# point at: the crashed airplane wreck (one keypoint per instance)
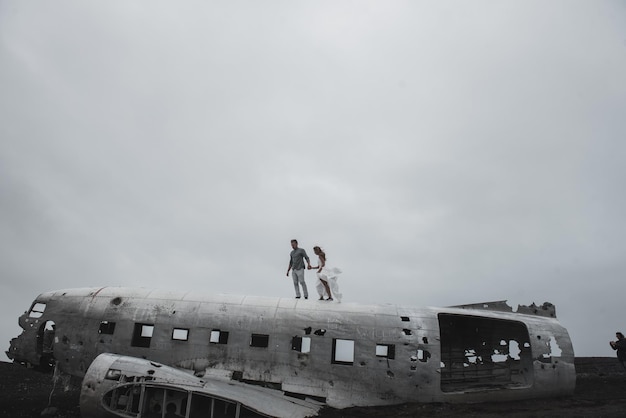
(153, 353)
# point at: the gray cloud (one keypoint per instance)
(442, 154)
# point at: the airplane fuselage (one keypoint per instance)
(344, 354)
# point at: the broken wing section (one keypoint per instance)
(119, 386)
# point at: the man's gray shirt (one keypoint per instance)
(296, 261)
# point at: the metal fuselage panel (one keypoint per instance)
(348, 354)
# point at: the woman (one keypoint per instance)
(327, 276)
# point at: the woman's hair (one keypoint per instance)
(321, 252)
(620, 334)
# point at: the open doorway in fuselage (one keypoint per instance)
(45, 345)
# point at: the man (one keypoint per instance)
(296, 265)
(620, 346)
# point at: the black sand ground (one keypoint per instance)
(600, 392)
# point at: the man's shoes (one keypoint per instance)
(297, 297)
(321, 297)
(306, 297)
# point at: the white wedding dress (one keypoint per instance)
(329, 275)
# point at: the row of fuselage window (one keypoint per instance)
(343, 349)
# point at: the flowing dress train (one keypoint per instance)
(329, 274)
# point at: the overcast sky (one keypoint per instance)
(441, 153)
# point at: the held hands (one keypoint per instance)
(319, 268)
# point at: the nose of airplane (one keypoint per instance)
(28, 348)
(16, 351)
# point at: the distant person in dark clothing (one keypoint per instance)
(296, 266)
(620, 346)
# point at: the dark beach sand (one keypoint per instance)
(600, 392)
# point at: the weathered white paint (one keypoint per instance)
(358, 376)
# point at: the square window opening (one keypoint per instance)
(180, 334)
(259, 340)
(142, 335)
(343, 352)
(386, 351)
(301, 344)
(218, 337)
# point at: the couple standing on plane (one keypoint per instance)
(327, 276)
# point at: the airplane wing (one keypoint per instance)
(124, 386)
